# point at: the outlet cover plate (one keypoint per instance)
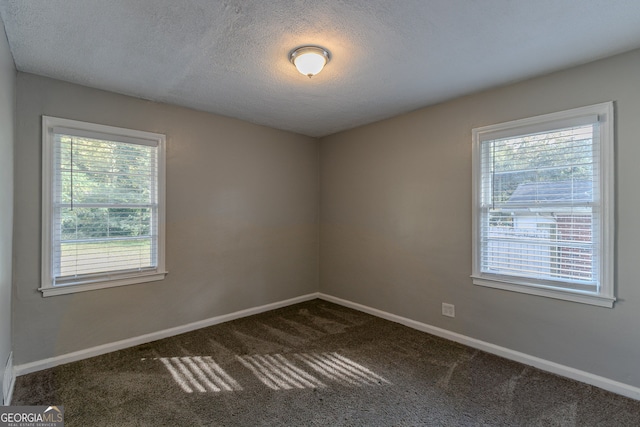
(448, 310)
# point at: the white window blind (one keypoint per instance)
(539, 211)
(105, 205)
(539, 192)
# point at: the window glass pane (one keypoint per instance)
(105, 172)
(99, 256)
(538, 220)
(547, 245)
(106, 202)
(548, 167)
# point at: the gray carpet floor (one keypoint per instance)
(315, 364)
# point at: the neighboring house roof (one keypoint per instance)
(551, 192)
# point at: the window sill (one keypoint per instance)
(101, 283)
(548, 292)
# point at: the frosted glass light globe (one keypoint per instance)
(309, 60)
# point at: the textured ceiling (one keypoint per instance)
(388, 56)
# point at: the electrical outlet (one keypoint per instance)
(448, 310)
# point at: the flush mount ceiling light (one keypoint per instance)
(309, 60)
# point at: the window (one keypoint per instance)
(102, 206)
(543, 205)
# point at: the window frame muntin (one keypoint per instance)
(605, 296)
(109, 279)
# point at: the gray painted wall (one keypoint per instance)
(242, 222)
(7, 105)
(396, 222)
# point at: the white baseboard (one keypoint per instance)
(545, 365)
(8, 381)
(12, 384)
(39, 365)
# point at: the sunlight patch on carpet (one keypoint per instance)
(199, 373)
(278, 373)
(341, 369)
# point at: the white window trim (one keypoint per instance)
(106, 280)
(605, 296)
